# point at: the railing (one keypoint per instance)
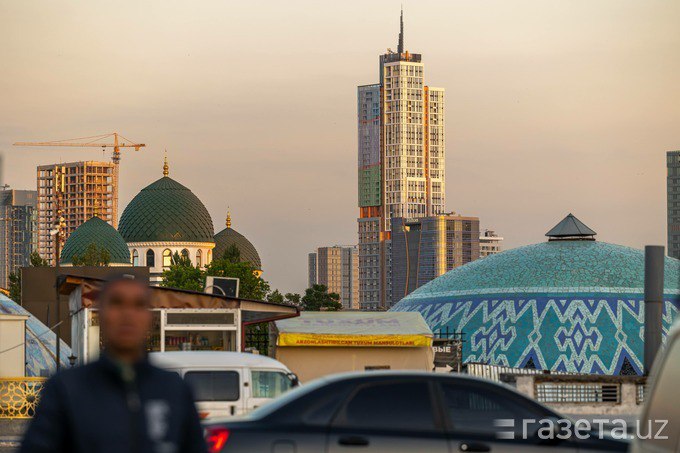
(578, 392)
(19, 396)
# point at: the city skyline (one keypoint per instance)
(546, 116)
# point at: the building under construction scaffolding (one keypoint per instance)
(18, 236)
(85, 188)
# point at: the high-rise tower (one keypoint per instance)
(401, 163)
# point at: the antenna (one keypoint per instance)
(400, 46)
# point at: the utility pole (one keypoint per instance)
(58, 222)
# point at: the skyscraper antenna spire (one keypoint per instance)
(400, 46)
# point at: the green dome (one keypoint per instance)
(551, 267)
(228, 237)
(98, 232)
(166, 211)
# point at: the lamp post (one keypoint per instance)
(58, 223)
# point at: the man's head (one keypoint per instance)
(124, 316)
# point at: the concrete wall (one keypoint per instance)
(12, 343)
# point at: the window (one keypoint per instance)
(167, 258)
(269, 384)
(199, 258)
(209, 257)
(135, 257)
(185, 254)
(214, 385)
(150, 258)
(399, 406)
(474, 409)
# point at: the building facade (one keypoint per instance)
(427, 247)
(337, 268)
(86, 188)
(18, 235)
(673, 202)
(401, 147)
(489, 243)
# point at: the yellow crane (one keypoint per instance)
(113, 140)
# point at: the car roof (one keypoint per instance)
(212, 359)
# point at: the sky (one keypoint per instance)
(552, 107)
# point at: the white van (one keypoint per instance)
(228, 383)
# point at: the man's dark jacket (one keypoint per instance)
(92, 408)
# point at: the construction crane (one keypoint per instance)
(113, 140)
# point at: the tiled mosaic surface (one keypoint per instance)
(568, 306)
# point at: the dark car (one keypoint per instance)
(400, 412)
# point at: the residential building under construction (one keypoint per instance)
(78, 190)
(17, 230)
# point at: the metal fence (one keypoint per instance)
(640, 393)
(19, 396)
(494, 372)
(578, 392)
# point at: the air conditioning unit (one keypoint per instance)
(222, 286)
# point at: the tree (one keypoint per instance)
(232, 254)
(317, 298)
(290, 298)
(15, 287)
(36, 260)
(250, 285)
(93, 256)
(183, 275)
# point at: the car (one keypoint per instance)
(658, 429)
(228, 383)
(399, 411)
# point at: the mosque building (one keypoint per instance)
(164, 218)
(569, 304)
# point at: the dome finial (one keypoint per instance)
(166, 169)
(96, 209)
(228, 218)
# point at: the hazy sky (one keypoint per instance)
(552, 107)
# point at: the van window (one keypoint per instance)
(214, 385)
(270, 384)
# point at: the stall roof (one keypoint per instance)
(354, 329)
(252, 311)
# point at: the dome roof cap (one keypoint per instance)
(571, 228)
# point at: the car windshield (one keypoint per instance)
(270, 384)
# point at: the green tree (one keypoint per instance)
(93, 256)
(15, 287)
(317, 298)
(275, 296)
(289, 298)
(250, 285)
(183, 275)
(232, 254)
(36, 260)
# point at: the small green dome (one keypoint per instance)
(166, 211)
(96, 231)
(228, 237)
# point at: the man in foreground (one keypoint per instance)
(119, 403)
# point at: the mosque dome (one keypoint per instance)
(568, 304)
(96, 231)
(166, 211)
(228, 237)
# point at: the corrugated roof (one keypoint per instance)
(356, 323)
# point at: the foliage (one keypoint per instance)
(183, 275)
(317, 298)
(250, 286)
(15, 287)
(232, 254)
(36, 260)
(289, 298)
(93, 256)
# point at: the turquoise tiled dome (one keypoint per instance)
(96, 231)
(571, 304)
(555, 266)
(166, 211)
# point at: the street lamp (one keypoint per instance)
(72, 360)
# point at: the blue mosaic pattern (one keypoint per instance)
(40, 342)
(572, 306)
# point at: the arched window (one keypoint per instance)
(135, 257)
(167, 258)
(185, 254)
(150, 258)
(208, 258)
(199, 258)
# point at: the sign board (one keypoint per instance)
(445, 351)
(223, 286)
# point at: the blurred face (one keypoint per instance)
(125, 318)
